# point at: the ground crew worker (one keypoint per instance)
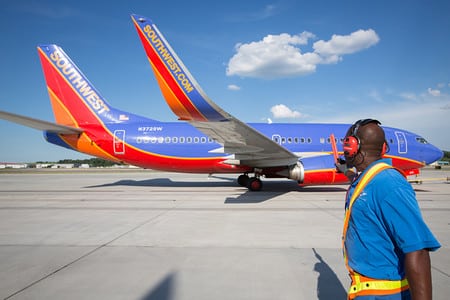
(386, 242)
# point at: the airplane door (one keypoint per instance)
(119, 138)
(402, 144)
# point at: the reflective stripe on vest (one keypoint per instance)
(362, 285)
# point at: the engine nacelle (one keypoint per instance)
(297, 172)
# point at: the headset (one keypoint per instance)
(352, 143)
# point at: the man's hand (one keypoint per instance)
(341, 166)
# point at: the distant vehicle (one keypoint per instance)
(210, 140)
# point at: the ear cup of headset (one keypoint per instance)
(351, 146)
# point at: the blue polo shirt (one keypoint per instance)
(385, 224)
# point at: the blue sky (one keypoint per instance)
(287, 61)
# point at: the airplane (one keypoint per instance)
(208, 140)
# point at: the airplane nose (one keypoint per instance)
(433, 154)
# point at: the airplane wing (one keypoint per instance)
(39, 124)
(189, 102)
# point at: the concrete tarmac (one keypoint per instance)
(150, 235)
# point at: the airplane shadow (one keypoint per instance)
(271, 189)
(329, 287)
(164, 290)
(164, 182)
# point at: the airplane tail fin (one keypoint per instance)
(78, 105)
(75, 101)
(182, 93)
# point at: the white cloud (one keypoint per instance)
(277, 56)
(346, 44)
(274, 56)
(282, 111)
(435, 93)
(233, 87)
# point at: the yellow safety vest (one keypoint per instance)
(361, 285)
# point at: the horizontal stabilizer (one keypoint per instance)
(39, 124)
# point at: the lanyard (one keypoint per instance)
(365, 179)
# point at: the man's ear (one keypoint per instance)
(358, 158)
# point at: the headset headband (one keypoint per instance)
(362, 122)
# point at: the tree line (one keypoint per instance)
(446, 156)
(92, 162)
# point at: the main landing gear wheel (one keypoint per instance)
(243, 180)
(254, 184)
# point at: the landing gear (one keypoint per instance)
(252, 183)
(243, 180)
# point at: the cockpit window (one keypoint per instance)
(421, 140)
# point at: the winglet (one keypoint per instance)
(182, 93)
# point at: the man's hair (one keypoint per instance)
(372, 138)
